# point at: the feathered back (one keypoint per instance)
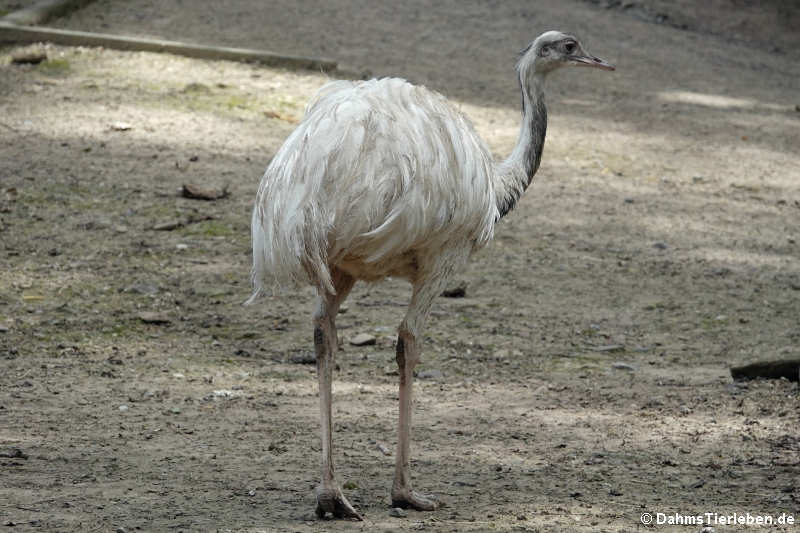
(375, 169)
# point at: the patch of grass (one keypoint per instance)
(58, 66)
(238, 102)
(210, 228)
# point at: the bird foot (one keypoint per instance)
(411, 499)
(331, 500)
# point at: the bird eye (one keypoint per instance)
(569, 47)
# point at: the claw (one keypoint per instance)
(331, 500)
(415, 500)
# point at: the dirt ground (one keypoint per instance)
(582, 381)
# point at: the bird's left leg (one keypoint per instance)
(408, 345)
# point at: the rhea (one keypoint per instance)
(385, 178)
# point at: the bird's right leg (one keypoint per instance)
(329, 496)
(408, 338)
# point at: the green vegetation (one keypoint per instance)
(58, 66)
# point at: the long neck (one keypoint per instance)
(516, 173)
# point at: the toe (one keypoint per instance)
(415, 500)
(330, 500)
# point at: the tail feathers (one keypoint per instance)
(286, 254)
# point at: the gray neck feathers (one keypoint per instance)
(516, 173)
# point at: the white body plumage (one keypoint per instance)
(378, 176)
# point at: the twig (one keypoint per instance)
(175, 224)
(28, 509)
(9, 127)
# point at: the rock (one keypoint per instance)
(123, 408)
(659, 246)
(304, 358)
(397, 512)
(363, 339)
(149, 317)
(29, 57)
(619, 365)
(142, 288)
(121, 126)
(500, 354)
(430, 374)
(196, 192)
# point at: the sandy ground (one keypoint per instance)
(581, 382)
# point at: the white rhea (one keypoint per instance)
(384, 178)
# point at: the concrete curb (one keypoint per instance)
(44, 11)
(10, 32)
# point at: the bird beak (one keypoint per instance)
(591, 61)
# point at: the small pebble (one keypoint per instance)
(149, 317)
(123, 408)
(303, 358)
(398, 512)
(363, 339)
(430, 374)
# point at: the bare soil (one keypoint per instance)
(582, 381)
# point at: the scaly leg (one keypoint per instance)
(329, 496)
(407, 358)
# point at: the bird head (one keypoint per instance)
(552, 50)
